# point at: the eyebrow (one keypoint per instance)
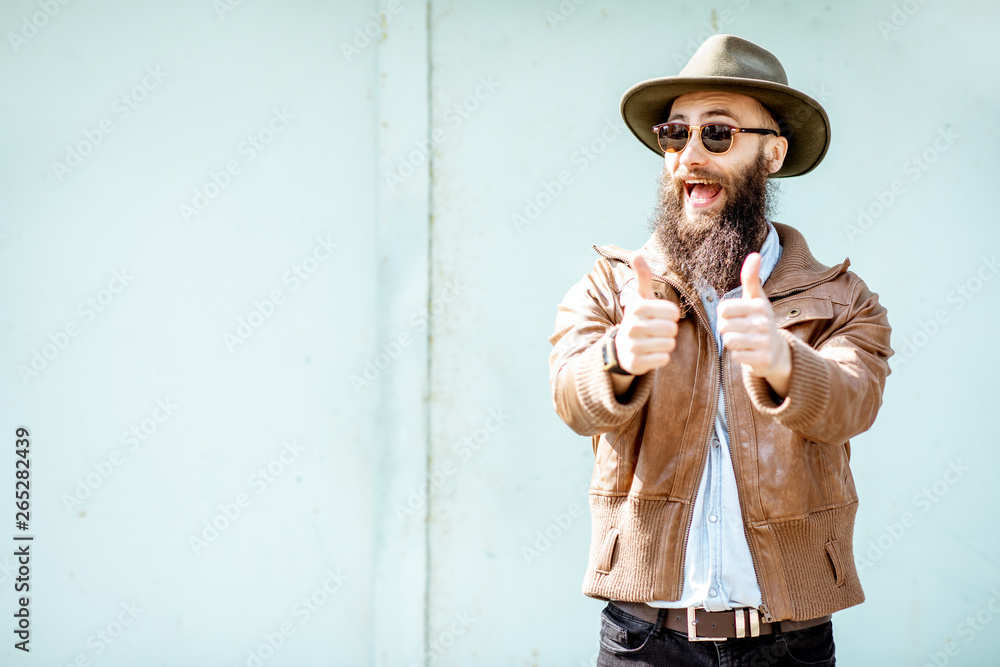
(711, 112)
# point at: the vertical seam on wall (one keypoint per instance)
(378, 505)
(429, 339)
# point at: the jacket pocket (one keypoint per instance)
(793, 310)
(838, 567)
(606, 555)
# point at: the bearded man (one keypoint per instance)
(721, 372)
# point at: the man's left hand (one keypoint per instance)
(749, 333)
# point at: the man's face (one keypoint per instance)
(699, 175)
(713, 208)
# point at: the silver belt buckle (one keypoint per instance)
(693, 629)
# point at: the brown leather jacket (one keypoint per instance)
(791, 457)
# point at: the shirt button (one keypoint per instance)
(712, 592)
(715, 443)
(713, 518)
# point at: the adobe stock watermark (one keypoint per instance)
(104, 637)
(259, 481)
(915, 167)
(584, 156)
(559, 525)
(960, 296)
(264, 309)
(719, 21)
(223, 7)
(454, 117)
(581, 159)
(33, 24)
(133, 438)
(923, 501)
(562, 12)
(364, 34)
(462, 449)
(7, 569)
(121, 108)
(445, 639)
(971, 626)
(899, 16)
(88, 310)
(248, 150)
(419, 320)
(302, 611)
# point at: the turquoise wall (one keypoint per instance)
(278, 280)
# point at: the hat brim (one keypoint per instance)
(802, 119)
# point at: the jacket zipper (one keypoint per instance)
(720, 358)
(715, 408)
(768, 618)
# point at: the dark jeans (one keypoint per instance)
(627, 640)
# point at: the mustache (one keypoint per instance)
(701, 173)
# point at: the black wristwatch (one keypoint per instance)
(611, 355)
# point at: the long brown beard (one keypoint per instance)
(712, 249)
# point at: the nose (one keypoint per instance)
(694, 153)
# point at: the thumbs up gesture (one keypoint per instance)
(648, 331)
(749, 332)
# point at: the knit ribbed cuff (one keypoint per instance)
(808, 388)
(597, 393)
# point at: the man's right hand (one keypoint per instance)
(648, 330)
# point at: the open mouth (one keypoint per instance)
(701, 192)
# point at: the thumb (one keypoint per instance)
(643, 276)
(750, 277)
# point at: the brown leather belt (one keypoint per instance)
(701, 625)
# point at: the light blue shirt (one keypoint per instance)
(718, 568)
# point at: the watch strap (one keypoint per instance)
(610, 353)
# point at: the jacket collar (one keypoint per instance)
(797, 269)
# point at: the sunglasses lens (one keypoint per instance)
(673, 137)
(716, 138)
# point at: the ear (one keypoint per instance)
(776, 149)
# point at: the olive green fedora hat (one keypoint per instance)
(730, 64)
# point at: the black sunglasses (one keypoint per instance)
(717, 138)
